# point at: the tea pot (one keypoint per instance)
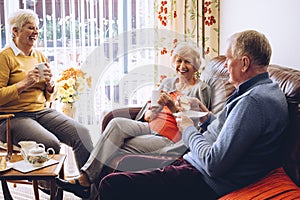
(35, 154)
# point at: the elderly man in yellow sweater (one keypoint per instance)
(24, 93)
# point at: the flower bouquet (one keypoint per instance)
(70, 84)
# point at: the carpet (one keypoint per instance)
(25, 192)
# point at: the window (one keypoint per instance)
(103, 37)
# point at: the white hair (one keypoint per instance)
(189, 52)
(21, 17)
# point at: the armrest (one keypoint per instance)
(6, 116)
(128, 112)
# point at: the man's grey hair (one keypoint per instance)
(253, 44)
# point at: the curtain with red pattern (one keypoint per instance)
(187, 20)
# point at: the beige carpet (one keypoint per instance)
(25, 192)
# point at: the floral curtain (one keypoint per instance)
(187, 20)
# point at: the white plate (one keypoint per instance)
(25, 167)
(192, 113)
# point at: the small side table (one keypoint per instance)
(47, 173)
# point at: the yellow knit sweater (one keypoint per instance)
(14, 69)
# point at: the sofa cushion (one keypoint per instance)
(276, 185)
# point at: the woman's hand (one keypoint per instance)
(48, 76)
(151, 114)
(197, 105)
(166, 99)
(31, 79)
(47, 73)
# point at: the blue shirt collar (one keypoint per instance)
(247, 85)
(244, 87)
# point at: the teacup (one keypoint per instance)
(25, 147)
(154, 98)
(41, 67)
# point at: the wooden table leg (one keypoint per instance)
(36, 189)
(59, 195)
(5, 189)
(53, 190)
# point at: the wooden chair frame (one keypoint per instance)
(10, 151)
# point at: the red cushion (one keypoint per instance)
(276, 185)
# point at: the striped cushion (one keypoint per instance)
(276, 185)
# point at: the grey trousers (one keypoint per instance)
(51, 128)
(122, 136)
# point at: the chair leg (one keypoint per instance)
(35, 189)
(5, 189)
(9, 140)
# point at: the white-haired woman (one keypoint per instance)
(25, 94)
(159, 134)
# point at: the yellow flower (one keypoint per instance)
(71, 82)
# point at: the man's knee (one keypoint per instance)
(114, 181)
(56, 145)
(109, 187)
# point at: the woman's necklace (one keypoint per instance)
(183, 87)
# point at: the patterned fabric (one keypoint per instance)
(187, 21)
(276, 185)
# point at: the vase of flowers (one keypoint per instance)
(68, 109)
(69, 85)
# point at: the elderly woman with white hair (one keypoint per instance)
(159, 134)
(24, 93)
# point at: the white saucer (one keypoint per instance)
(191, 113)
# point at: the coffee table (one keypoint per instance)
(48, 173)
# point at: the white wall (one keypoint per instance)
(277, 19)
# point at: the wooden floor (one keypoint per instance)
(25, 192)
